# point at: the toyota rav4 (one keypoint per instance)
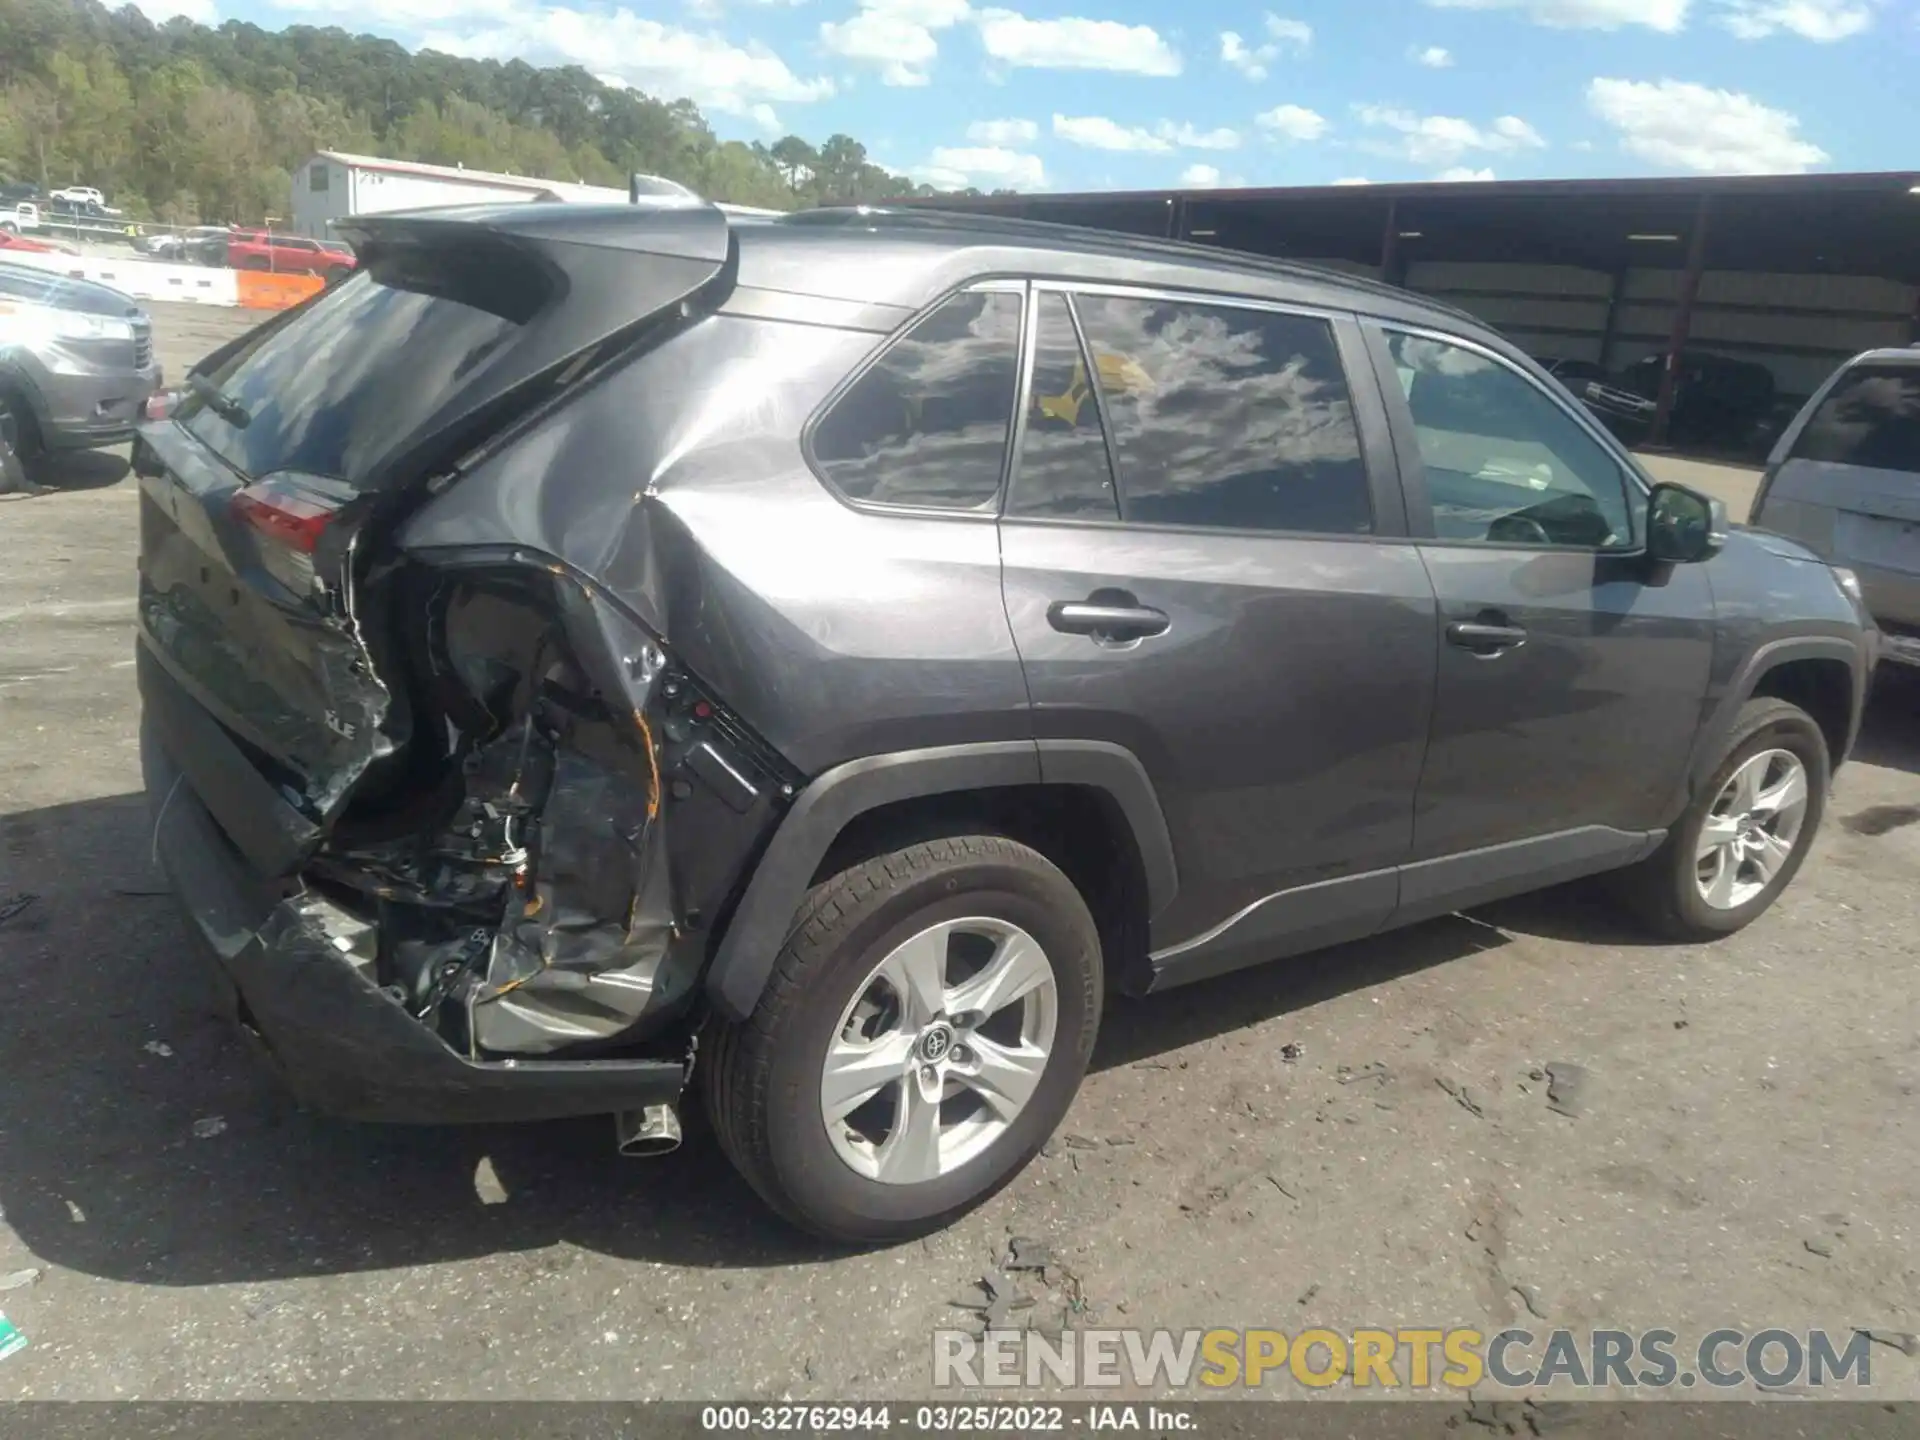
(591, 651)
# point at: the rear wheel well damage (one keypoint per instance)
(1080, 828)
(1821, 687)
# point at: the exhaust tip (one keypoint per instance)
(642, 1134)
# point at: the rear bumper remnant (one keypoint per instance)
(343, 1045)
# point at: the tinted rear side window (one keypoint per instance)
(363, 367)
(1227, 418)
(927, 424)
(1063, 452)
(1872, 417)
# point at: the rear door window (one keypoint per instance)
(1064, 467)
(927, 424)
(1871, 418)
(1227, 418)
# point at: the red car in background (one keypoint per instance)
(289, 255)
(13, 240)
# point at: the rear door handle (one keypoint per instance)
(1106, 622)
(1484, 638)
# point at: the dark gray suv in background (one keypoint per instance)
(76, 368)
(591, 650)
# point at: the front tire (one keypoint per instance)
(1745, 834)
(925, 1029)
(17, 451)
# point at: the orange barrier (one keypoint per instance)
(265, 290)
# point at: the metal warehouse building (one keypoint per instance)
(1793, 272)
(334, 185)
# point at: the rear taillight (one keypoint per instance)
(161, 404)
(287, 513)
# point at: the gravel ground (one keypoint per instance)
(1356, 1138)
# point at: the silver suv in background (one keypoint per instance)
(76, 368)
(1845, 481)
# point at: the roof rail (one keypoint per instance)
(982, 223)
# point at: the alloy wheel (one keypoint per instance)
(1752, 829)
(939, 1051)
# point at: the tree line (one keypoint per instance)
(184, 123)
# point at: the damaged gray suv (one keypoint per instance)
(596, 651)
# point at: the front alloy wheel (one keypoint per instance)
(1751, 829)
(1746, 832)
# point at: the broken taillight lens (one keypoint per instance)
(161, 404)
(286, 512)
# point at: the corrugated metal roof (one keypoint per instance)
(1664, 186)
(568, 190)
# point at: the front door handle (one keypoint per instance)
(1485, 638)
(1106, 622)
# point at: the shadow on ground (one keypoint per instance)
(113, 1055)
(1890, 733)
(79, 470)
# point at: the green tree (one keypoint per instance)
(191, 122)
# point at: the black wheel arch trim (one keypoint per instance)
(751, 942)
(17, 381)
(1710, 746)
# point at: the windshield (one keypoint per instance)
(1871, 418)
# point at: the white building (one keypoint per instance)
(334, 185)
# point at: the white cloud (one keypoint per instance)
(1353, 180)
(896, 36)
(1252, 60)
(1200, 177)
(1289, 32)
(1434, 57)
(1192, 137)
(1097, 132)
(1694, 127)
(987, 167)
(1821, 21)
(1292, 122)
(1075, 44)
(663, 60)
(1003, 132)
(1463, 172)
(161, 11)
(1444, 139)
(1667, 16)
(407, 12)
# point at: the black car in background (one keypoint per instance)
(1719, 403)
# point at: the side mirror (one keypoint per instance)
(1684, 526)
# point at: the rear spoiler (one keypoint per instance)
(573, 277)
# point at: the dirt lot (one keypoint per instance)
(1744, 1154)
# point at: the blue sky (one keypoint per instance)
(1093, 94)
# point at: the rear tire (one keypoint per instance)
(1694, 887)
(989, 909)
